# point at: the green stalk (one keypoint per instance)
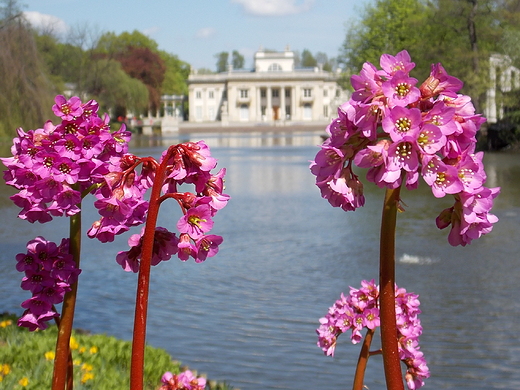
(391, 361)
(60, 377)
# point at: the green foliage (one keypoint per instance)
(111, 44)
(307, 59)
(100, 362)
(222, 61)
(176, 74)
(63, 62)
(26, 93)
(237, 60)
(461, 34)
(387, 26)
(161, 72)
(114, 88)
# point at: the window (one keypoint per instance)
(325, 93)
(288, 112)
(307, 92)
(325, 111)
(211, 113)
(211, 95)
(262, 110)
(338, 93)
(287, 92)
(263, 93)
(274, 68)
(244, 93)
(275, 93)
(198, 95)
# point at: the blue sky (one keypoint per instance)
(195, 30)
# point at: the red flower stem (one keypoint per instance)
(70, 365)
(62, 372)
(361, 366)
(143, 281)
(391, 361)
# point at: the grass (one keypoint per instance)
(100, 362)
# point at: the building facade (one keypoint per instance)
(274, 91)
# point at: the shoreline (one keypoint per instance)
(261, 127)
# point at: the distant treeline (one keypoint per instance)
(124, 73)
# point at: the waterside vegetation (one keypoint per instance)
(101, 362)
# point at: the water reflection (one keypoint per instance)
(248, 316)
(234, 139)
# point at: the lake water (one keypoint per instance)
(248, 316)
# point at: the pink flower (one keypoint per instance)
(367, 84)
(207, 246)
(360, 309)
(184, 381)
(401, 122)
(164, 246)
(442, 178)
(401, 90)
(67, 109)
(49, 273)
(196, 221)
(439, 82)
(393, 64)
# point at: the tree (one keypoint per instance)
(461, 34)
(140, 57)
(308, 60)
(111, 44)
(114, 89)
(26, 93)
(9, 10)
(176, 74)
(464, 33)
(386, 26)
(222, 61)
(146, 66)
(237, 60)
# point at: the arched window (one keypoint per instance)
(274, 68)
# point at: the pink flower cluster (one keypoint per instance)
(360, 309)
(49, 273)
(53, 166)
(187, 163)
(184, 381)
(399, 132)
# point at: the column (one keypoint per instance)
(293, 104)
(258, 104)
(282, 103)
(269, 108)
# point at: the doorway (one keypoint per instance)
(276, 113)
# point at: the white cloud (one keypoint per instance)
(151, 31)
(205, 32)
(275, 7)
(46, 23)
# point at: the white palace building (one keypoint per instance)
(274, 92)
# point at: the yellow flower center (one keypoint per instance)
(403, 125)
(402, 89)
